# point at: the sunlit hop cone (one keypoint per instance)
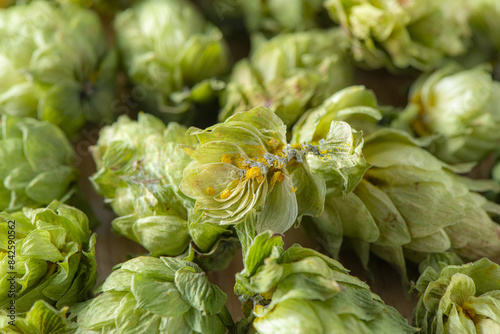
(55, 65)
(172, 55)
(54, 257)
(408, 203)
(276, 16)
(245, 166)
(401, 34)
(38, 164)
(139, 169)
(457, 298)
(302, 291)
(155, 295)
(289, 74)
(460, 106)
(41, 318)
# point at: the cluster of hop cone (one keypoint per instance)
(201, 157)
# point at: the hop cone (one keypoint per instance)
(302, 291)
(401, 34)
(408, 203)
(244, 166)
(171, 54)
(155, 295)
(289, 74)
(461, 107)
(139, 172)
(41, 319)
(54, 257)
(37, 164)
(55, 65)
(458, 298)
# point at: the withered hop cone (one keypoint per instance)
(458, 298)
(289, 74)
(409, 203)
(140, 168)
(245, 166)
(299, 290)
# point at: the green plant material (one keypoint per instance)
(302, 291)
(56, 67)
(245, 167)
(289, 74)
(275, 16)
(409, 203)
(155, 295)
(171, 54)
(106, 7)
(54, 257)
(139, 169)
(459, 298)
(485, 25)
(461, 107)
(37, 164)
(402, 34)
(41, 319)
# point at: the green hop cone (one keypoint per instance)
(459, 298)
(461, 107)
(155, 295)
(57, 66)
(302, 291)
(402, 34)
(172, 55)
(139, 170)
(409, 203)
(244, 166)
(54, 257)
(41, 319)
(37, 164)
(289, 74)
(485, 24)
(275, 16)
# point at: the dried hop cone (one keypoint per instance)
(54, 258)
(155, 295)
(55, 65)
(458, 298)
(302, 291)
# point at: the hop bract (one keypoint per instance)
(289, 74)
(459, 298)
(171, 54)
(155, 295)
(408, 203)
(42, 318)
(244, 166)
(54, 257)
(37, 164)
(55, 65)
(302, 291)
(462, 107)
(401, 34)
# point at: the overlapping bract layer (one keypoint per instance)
(401, 34)
(54, 256)
(171, 53)
(408, 203)
(457, 298)
(42, 318)
(462, 107)
(289, 74)
(155, 295)
(57, 66)
(244, 166)
(37, 164)
(302, 291)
